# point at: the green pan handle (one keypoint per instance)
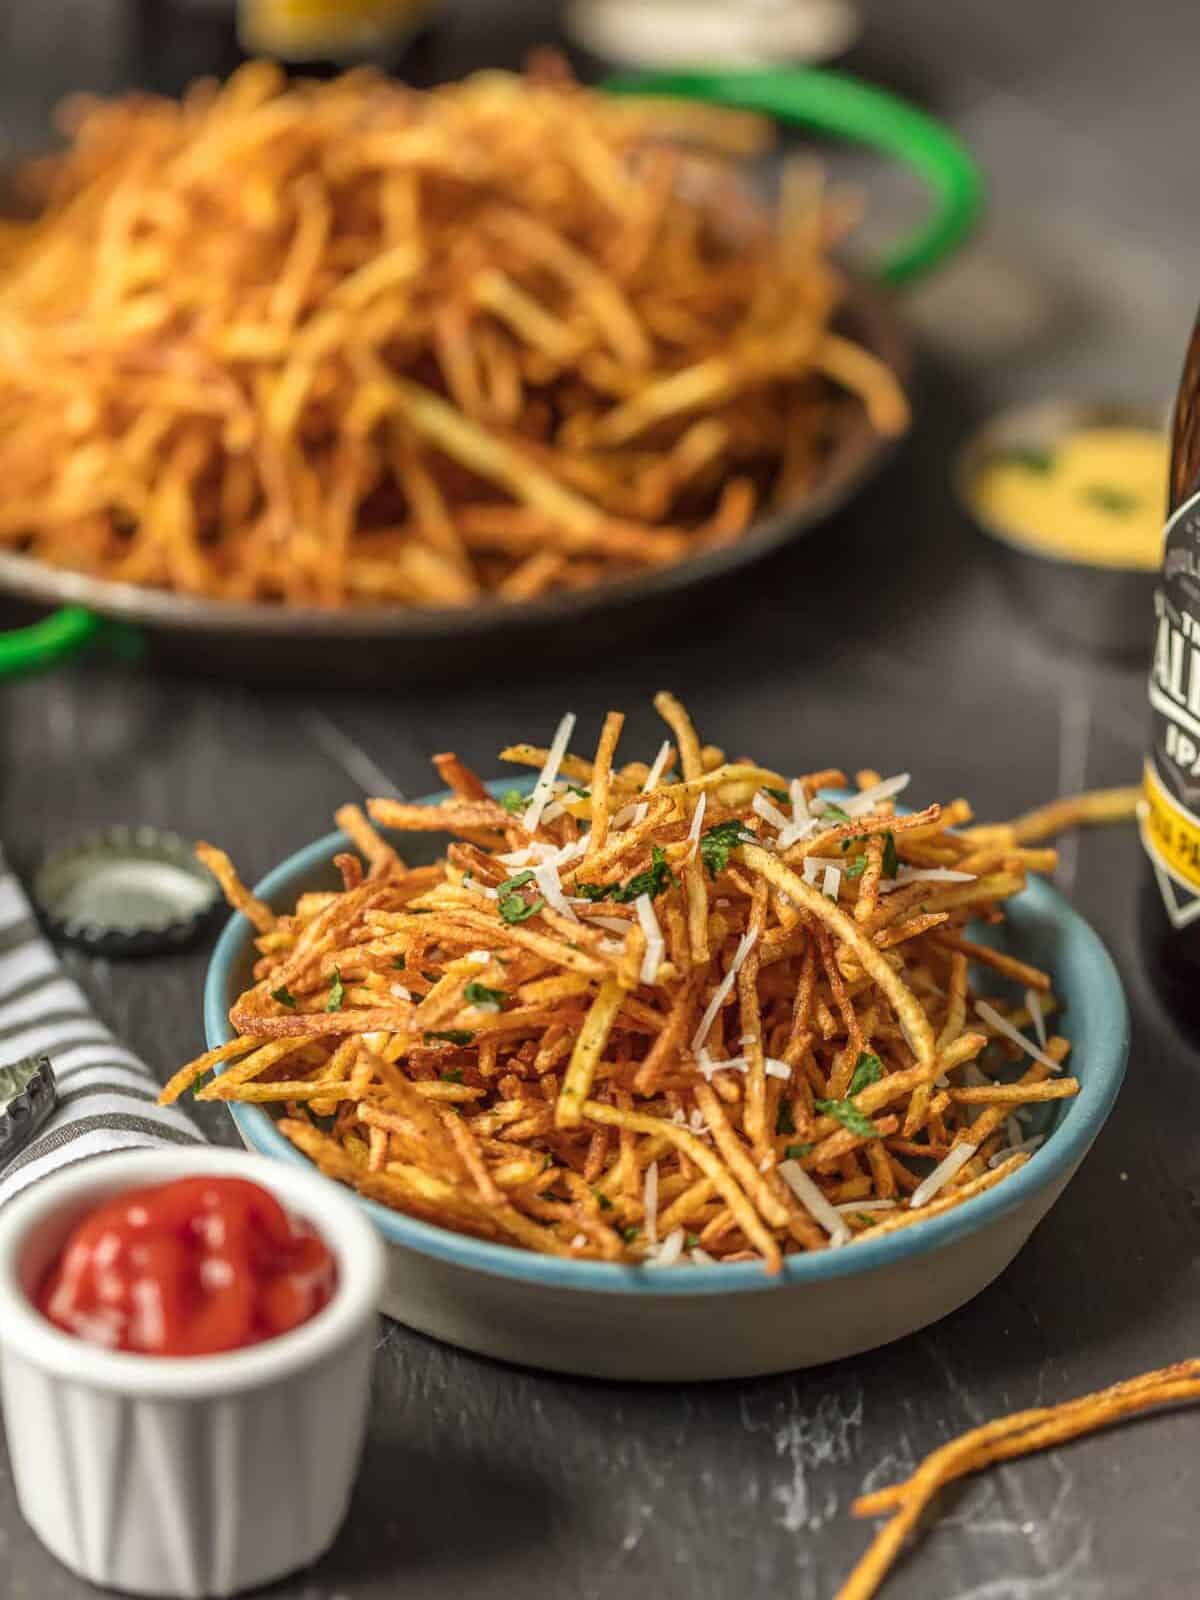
(834, 103)
(46, 643)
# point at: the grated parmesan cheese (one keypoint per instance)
(669, 1251)
(544, 787)
(802, 823)
(650, 1202)
(949, 1167)
(778, 1069)
(655, 943)
(831, 882)
(540, 850)
(814, 866)
(907, 874)
(762, 807)
(815, 1203)
(866, 1205)
(1025, 1148)
(1033, 1004)
(652, 777)
(400, 992)
(547, 880)
(974, 1079)
(708, 1066)
(863, 803)
(701, 1258)
(745, 944)
(1004, 1026)
(696, 825)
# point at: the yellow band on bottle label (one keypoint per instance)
(1170, 834)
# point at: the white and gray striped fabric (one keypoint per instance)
(106, 1096)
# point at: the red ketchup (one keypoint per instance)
(189, 1268)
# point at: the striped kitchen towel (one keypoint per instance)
(106, 1095)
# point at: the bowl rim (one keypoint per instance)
(69, 1192)
(1051, 1166)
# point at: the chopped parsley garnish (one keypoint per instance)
(868, 1069)
(398, 963)
(285, 997)
(514, 802)
(449, 1035)
(656, 879)
(453, 1076)
(580, 794)
(419, 911)
(513, 906)
(833, 813)
(692, 1240)
(855, 868)
(1031, 457)
(478, 994)
(891, 861)
(430, 977)
(337, 992)
(849, 1116)
(629, 1234)
(781, 795)
(717, 844)
(595, 891)
(1116, 501)
(602, 1200)
(797, 1152)
(784, 1122)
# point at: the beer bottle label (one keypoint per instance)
(1170, 817)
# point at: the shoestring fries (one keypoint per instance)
(1019, 1434)
(676, 1011)
(349, 344)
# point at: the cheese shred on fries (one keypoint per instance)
(349, 344)
(689, 1011)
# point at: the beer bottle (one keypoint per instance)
(1170, 823)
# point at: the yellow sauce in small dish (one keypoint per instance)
(1097, 496)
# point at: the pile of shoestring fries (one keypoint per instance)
(348, 344)
(1019, 1434)
(689, 1011)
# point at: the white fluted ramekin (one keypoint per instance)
(197, 1475)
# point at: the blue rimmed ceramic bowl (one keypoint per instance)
(690, 1323)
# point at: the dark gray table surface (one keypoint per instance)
(889, 641)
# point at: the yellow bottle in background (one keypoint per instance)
(343, 31)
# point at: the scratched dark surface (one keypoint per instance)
(889, 641)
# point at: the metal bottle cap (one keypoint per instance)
(125, 892)
(28, 1096)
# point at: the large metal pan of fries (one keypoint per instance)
(399, 371)
(679, 1069)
